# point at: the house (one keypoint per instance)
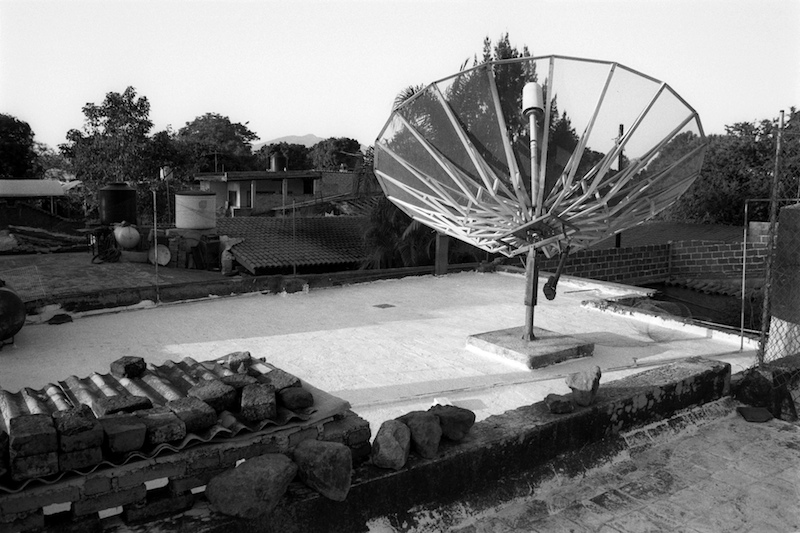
(244, 192)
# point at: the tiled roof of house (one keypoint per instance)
(283, 242)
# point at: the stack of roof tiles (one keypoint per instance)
(274, 243)
(138, 411)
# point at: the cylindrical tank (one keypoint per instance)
(117, 203)
(12, 313)
(195, 210)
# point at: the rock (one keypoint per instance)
(295, 398)
(584, 385)
(219, 396)
(78, 429)
(325, 467)
(391, 445)
(426, 432)
(196, 414)
(252, 489)
(559, 404)
(128, 367)
(755, 388)
(123, 432)
(455, 421)
(258, 402)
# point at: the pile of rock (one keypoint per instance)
(584, 387)
(420, 431)
(255, 487)
(47, 432)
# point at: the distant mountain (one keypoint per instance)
(306, 140)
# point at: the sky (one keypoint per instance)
(332, 68)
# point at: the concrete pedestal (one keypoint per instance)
(548, 349)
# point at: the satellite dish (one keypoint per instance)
(611, 147)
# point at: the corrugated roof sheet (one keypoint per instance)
(282, 242)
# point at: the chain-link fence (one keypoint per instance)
(780, 328)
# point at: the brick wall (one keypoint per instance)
(165, 484)
(692, 258)
(645, 264)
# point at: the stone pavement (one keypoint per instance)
(705, 471)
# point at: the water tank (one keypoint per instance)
(117, 203)
(195, 210)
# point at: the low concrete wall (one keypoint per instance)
(502, 457)
(112, 298)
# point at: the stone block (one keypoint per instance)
(280, 379)
(196, 414)
(32, 435)
(325, 467)
(33, 466)
(79, 459)
(258, 403)
(109, 405)
(218, 395)
(236, 361)
(238, 382)
(162, 425)
(128, 367)
(350, 429)
(123, 432)
(295, 398)
(78, 429)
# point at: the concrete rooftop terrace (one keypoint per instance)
(386, 347)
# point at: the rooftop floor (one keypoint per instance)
(386, 347)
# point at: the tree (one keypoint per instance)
(219, 144)
(293, 156)
(17, 149)
(114, 144)
(738, 166)
(335, 153)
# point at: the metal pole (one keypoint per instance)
(744, 275)
(155, 245)
(618, 236)
(531, 265)
(773, 222)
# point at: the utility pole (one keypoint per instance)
(773, 222)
